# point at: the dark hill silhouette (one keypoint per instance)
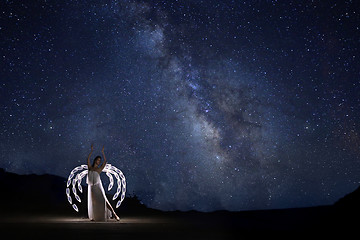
(346, 211)
(31, 193)
(350, 201)
(45, 194)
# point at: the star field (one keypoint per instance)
(203, 105)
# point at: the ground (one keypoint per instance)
(177, 225)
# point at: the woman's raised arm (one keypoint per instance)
(104, 163)
(88, 160)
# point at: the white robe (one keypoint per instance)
(97, 200)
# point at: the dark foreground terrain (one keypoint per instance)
(35, 207)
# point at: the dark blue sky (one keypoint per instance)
(203, 105)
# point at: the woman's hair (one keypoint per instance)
(95, 160)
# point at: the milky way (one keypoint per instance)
(203, 105)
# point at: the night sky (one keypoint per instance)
(203, 105)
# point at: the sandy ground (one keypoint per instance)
(176, 226)
(52, 227)
(287, 224)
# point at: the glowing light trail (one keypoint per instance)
(109, 170)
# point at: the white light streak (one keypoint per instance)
(109, 170)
